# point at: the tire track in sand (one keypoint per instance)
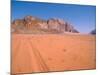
(39, 58)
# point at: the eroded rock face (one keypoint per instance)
(32, 24)
(70, 28)
(56, 24)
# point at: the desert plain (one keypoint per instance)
(32, 53)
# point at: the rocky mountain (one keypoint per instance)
(93, 31)
(30, 24)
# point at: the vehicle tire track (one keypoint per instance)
(39, 58)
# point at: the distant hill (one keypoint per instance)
(93, 31)
(30, 24)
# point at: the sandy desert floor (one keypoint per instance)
(52, 52)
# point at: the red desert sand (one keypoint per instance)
(52, 52)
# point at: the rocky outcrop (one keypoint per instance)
(93, 32)
(32, 24)
(56, 24)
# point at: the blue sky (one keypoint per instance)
(80, 16)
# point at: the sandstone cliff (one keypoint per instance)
(30, 24)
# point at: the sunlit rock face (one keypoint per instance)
(31, 24)
(56, 24)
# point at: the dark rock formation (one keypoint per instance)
(93, 32)
(32, 24)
